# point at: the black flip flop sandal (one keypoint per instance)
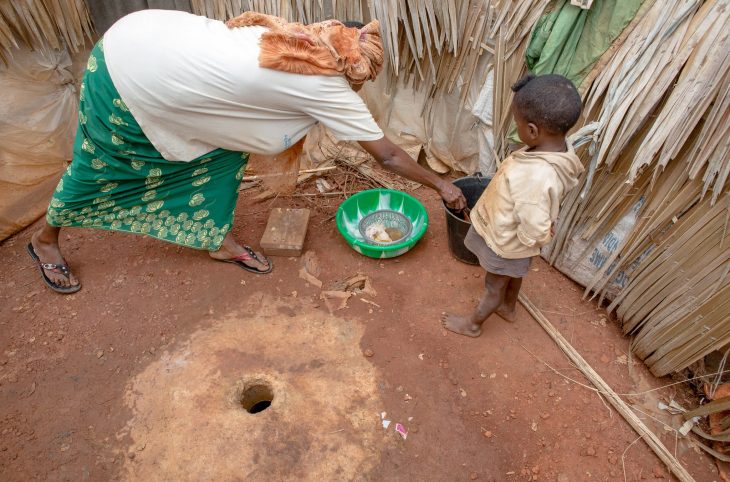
(250, 255)
(61, 269)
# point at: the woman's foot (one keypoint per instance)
(230, 250)
(45, 246)
(506, 313)
(461, 325)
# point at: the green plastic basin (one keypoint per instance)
(359, 205)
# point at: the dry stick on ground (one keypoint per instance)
(304, 171)
(320, 194)
(649, 437)
(623, 456)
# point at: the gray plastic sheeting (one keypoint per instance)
(104, 13)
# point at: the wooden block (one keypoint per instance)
(285, 232)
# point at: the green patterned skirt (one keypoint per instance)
(119, 181)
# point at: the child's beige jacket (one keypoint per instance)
(522, 201)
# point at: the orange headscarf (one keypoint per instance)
(324, 48)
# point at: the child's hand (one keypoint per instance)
(552, 230)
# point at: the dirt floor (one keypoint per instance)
(135, 377)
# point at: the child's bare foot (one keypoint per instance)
(461, 325)
(507, 314)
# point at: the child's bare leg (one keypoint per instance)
(495, 287)
(507, 310)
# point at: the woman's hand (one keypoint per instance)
(452, 196)
(395, 159)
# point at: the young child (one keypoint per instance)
(514, 217)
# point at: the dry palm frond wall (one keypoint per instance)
(43, 23)
(662, 105)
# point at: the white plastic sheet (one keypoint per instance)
(580, 261)
(38, 112)
(482, 109)
(450, 138)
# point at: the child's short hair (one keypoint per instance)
(549, 101)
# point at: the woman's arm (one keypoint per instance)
(395, 159)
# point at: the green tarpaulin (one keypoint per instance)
(569, 39)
